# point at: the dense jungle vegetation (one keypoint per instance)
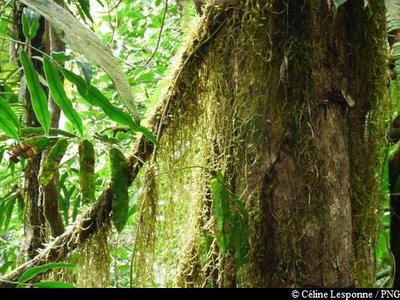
(188, 143)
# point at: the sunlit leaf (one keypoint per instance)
(30, 23)
(38, 95)
(60, 98)
(54, 285)
(96, 98)
(34, 271)
(8, 120)
(7, 113)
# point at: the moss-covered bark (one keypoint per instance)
(291, 98)
(35, 222)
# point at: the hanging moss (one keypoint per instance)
(270, 106)
(94, 261)
(143, 252)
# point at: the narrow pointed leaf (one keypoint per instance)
(60, 97)
(8, 211)
(85, 7)
(32, 272)
(54, 285)
(38, 96)
(96, 98)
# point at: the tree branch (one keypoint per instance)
(98, 216)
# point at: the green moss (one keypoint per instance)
(52, 161)
(256, 100)
(87, 177)
(120, 183)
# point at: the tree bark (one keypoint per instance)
(34, 221)
(294, 103)
(51, 191)
(301, 84)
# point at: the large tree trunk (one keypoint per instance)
(291, 95)
(35, 223)
(51, 191)
(42, 203)
(286, 102)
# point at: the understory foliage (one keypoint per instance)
(193, 217)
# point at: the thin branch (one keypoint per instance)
(159, 35)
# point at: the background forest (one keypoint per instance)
(118, 168)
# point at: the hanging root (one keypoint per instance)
(143, 253)
(96, 218)
(94, 266)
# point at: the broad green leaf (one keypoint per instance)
(96, 98)
(60, 98)
(7, 112)
(30, 23)
(9, 128)
(54, 285)
(38, 96)
(8, 120)
(240, 232)
(119, 189)
(221, 211)
(231, 220)
(34, 271)
(9, 207)
(339, 2)
(60, 56)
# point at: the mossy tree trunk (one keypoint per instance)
(51, 191)
(42, 204)
(292, 96)
(320, 196)
(35, 221)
